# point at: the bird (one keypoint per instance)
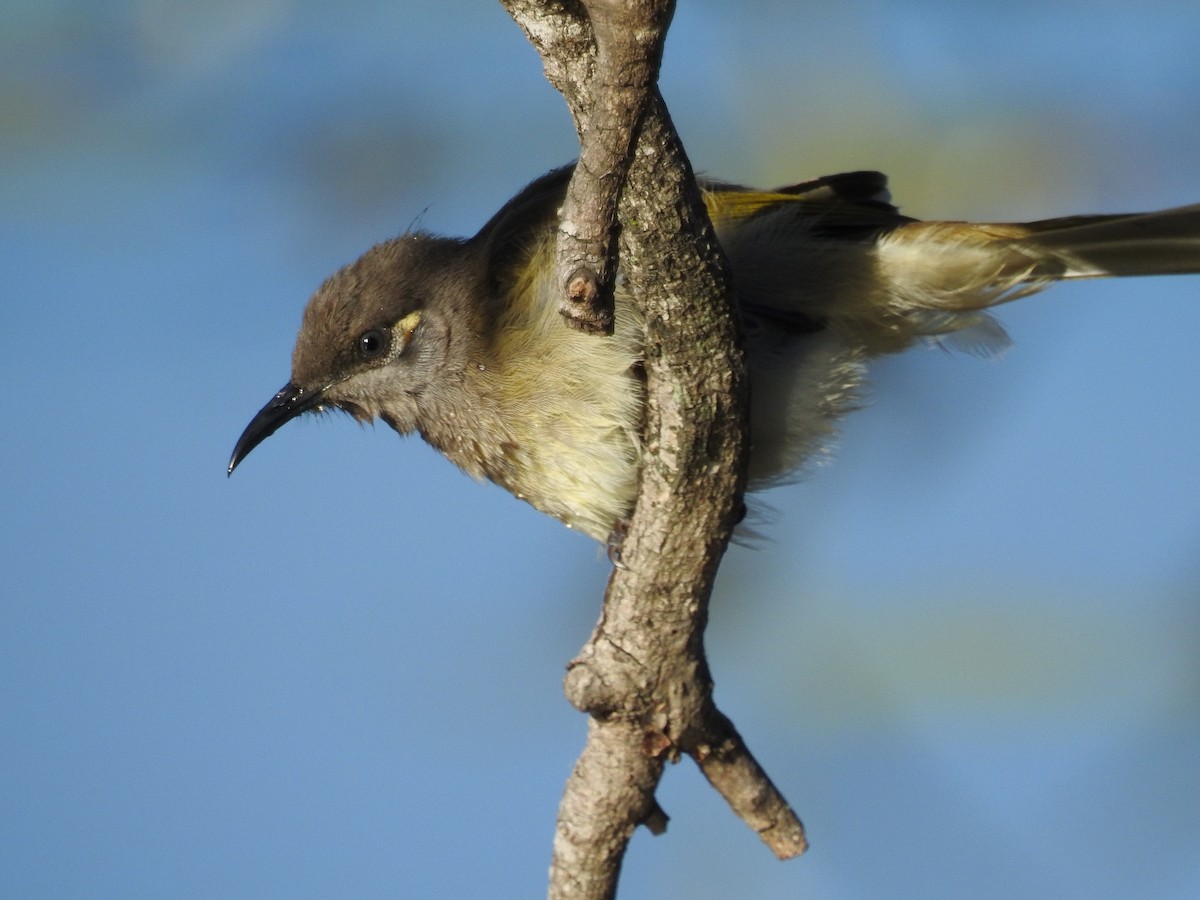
(461, 339)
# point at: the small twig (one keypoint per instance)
(730, 767)
(626, 66)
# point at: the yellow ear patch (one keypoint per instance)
(405, 327)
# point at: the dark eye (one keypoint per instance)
(372, 343)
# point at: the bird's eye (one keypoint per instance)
(372, 343)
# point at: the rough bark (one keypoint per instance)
(642, 676)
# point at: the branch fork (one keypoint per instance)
(642, 677)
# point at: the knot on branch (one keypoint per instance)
(589, 305)
(670, 699)
(606, 678)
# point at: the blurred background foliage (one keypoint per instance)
(967, 648)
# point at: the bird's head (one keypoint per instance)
(375, 337)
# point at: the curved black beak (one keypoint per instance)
(283, 407)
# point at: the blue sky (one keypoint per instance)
(967, 652)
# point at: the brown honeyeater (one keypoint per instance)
(462, 340)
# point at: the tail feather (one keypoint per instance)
(960, 267)
(1157, 243)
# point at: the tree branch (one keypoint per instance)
(642, 676)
